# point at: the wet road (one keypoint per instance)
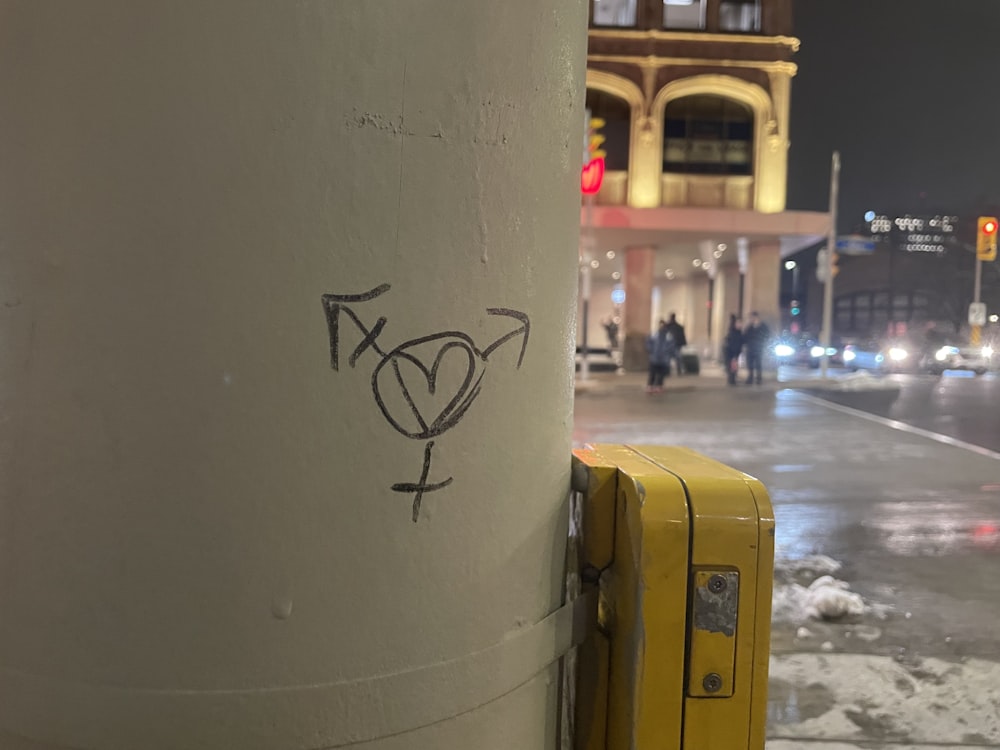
(959, 406)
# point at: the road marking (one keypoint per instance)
(904, 427)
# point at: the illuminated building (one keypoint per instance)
(695, 95)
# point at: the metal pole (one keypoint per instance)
(795, 282)
(585, 280)
(975, 332)
(831, 246)
(242, 505)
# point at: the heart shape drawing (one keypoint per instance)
(424, 387)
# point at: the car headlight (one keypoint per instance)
(849, 355)
(898, 355)
(783, 350)
(817, 351)
(941, 355)
(987, 352)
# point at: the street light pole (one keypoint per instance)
(831, 246)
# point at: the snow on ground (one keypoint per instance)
(857, 697)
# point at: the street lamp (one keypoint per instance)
(791, 265)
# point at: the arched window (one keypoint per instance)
(704, 134)
(617, 115)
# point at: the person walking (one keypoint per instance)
(680, 341)
(660, 347)
(755, 336)
(732, 347)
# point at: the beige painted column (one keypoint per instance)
(763, 283)
(696, 326)
(210, 538)
(639, 266)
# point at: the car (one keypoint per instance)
(804, 351)
(897, 355)
(864, 355)
(976, 359)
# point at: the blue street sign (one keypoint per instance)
(855, 245)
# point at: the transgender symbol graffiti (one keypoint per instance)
(405, 380)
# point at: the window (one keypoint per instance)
(614, 13)
(739, 15)
(684, 14)
(617, 116)
(708, 135)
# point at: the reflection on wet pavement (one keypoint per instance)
(792, 704)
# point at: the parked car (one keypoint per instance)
(974, 358)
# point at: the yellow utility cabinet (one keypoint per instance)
(677, 552)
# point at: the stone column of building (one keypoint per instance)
(763, 282)
(639, 267)
(696, 325)
(780, 78)
(726, 298)
(287, 324)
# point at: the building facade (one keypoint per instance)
(691, 216)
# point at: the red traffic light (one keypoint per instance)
(990, 227)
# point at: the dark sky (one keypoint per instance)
(909, 92)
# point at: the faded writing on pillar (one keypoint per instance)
(405, 377)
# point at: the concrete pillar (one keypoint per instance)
(727, 294)
(207, 535)
(763, 283)
(639, 266)
(696, 325)
(722, 301)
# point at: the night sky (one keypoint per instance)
(909, 92)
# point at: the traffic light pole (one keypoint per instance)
(975, 332)
(831, 246)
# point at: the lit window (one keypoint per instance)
(739, 15)
(614, 13)
(683, 14)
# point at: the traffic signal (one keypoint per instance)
(986, 238)
(795, 309)
(593, 156)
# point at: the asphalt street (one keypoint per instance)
(914, 521)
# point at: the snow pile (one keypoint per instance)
(864, 381)
(824, 598)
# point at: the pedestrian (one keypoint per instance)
(660, 347)
(680, 341)
(732, 348)
(755, 337)
(611, 328)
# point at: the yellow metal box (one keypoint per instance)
(679, 550)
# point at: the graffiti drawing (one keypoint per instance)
(405, 381)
